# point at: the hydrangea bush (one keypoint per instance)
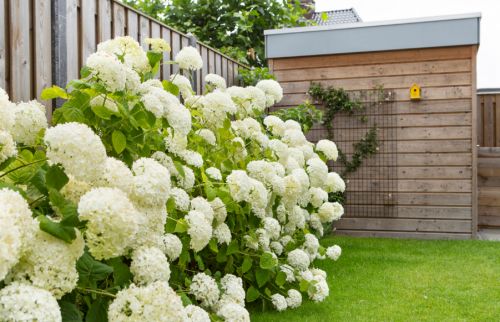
(146, 202)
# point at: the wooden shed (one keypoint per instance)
(422, 181)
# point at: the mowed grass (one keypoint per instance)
(405, 280)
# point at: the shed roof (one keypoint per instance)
(442, 31)
(334, 17)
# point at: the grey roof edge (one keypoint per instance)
(488, 90)
(372, 23)
(428, 32)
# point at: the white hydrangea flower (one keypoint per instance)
(7, 146)
(149, 265)
(151, 183)
(240, 185)
(207, 135)
(196, 314)
(172, 246)
(50, 263)
(107, 102)
(186, 181)
(257, 98)
(328, 148)
(279, 302)
(112, 222)
(157, 44)
(218, 100)
(192, 158)
(200, 230)
(334, 252)
(175, 142)
(318, 289)
(181, 199)
(289, 272)
(17, 228)
(294, 138)
(272, 226)
(21, 302)
(205, 289)
(128, 48)
(133, 80)
(220, 211)
(107, 68)
(274, 125)
(165, 161)
(318, 196)
(272, 89)
(334, 183)
(153, 302)
(6, 111)
(233, 312)
(116, 175)
(311, 245)
(215, 81)
(189, 58)
(294, 299)
(232, 289)
(222, 233)
(329, 212)
(276, 247)
(153, 104)
(184, 85)
(202, 205)
(317, 171)
(214, 173)
(315, 223)
(64, 146)
(263, 239)
(299, 259)
(29, 120)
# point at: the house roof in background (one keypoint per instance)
(488, 90)
(336, 17)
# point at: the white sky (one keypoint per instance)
(488, 61)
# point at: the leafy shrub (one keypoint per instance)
(133, 206)
(306, 114)
(250, 77)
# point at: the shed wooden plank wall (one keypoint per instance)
(436, 177)
(26, 42)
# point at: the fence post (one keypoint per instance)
(59, 45)
(194, 75)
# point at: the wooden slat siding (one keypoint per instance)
(199, 74)
(204, 70)
(156, 33)
(488, 174)
(43, 50)
(20, 78)
(119, 20)
(230, 73)
(224, 68)
(144, 31)
(184, 41)
(383, 57)
(488, 120)
(176, 47)
(132, 24)
(72, 40)
(211, 62)
(218, 65)
(496, 105)
(104, 18)
(479, 121)
(89, 41)
(393, 82)
(434, 136)
(3, 46)
(489, 125)
(404, 234)
(474, 223)
(235, 74)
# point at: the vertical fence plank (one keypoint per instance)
(166, 69)
(204, 71)
(218, 64)
(211, 61)
(3, 46)
(43, 50)
(235, 73)
(118, 20)
(224, 67)
(72, 46)
(184, 42)
(144, 31)
(480, 120)
(20, 51)
(176, 46)
(496, 106)
(132, 24)
(156, 33)
(230, 74)
(104, 20)
(88, 28)
(489, 118)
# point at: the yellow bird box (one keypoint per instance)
(415, 92)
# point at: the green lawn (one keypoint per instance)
(405, 280)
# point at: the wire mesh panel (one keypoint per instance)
(372, 186)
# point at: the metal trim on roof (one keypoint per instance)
(442, 31)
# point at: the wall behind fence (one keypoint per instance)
(47, 41)
(488, 127)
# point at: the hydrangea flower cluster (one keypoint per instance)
(143, 191)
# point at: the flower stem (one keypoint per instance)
(89, 290)
(22, 166)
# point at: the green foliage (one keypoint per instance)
(363, 149)
(305, 114)
(234, 27)
(250, 77)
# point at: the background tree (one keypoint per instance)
(234, 27)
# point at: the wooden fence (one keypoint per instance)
(489, 187)
(488, 126)
(44, 42)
